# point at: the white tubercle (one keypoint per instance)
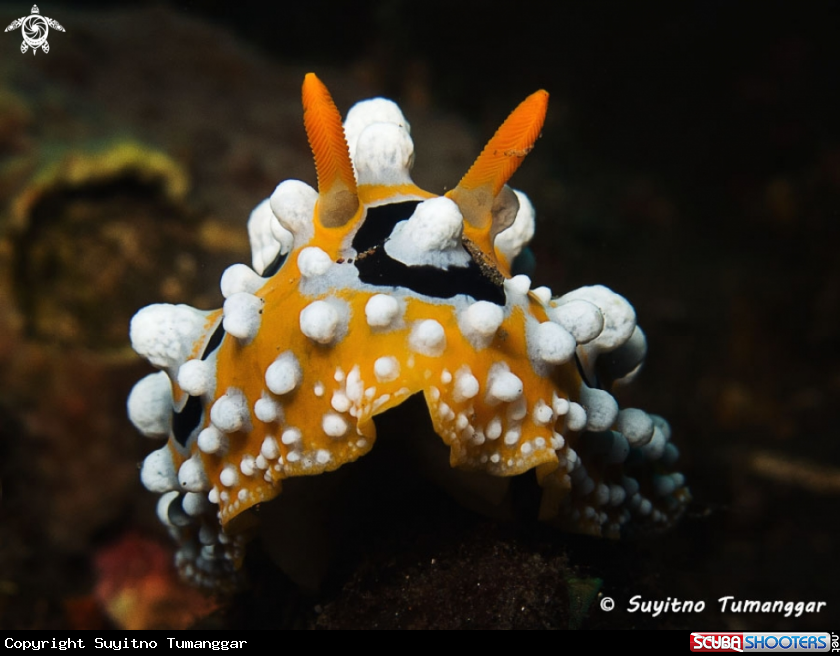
(293, 203)
(286, 238)
(312, 262)
(150, 405)
(502, 385)
(543, 294)
(320, 322)
(334, 425)
(551, 343)
(427, 338)
(466, 385)
(230, 412)
(158, 471)
(267, 410)
(195, 504)
(654, 449)
(212, 440)
(633, 351)
(197, 377)
(636, 425)
(240, 278)
(268, 238)
(619, 316)
(270, 450)
(386, 369)
(518, 285)
(575, 417)
(229, 476)
(430, 237)
(614, 447)
(284, 374)
(243, 315)
(381, 310)
(165, 334)
(542, 413)
(511, 241)
(368, 112)
(580, 317)
(169, 510)
(601, 408)
(291, 436)
(192, 476)
(384, 155)
(480, 321)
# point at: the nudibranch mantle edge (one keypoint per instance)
(365, 292)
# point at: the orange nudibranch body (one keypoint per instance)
(365, 292)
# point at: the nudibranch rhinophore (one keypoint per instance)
(370, 290)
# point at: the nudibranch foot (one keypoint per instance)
(365, 292)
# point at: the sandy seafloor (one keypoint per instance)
(690, 161)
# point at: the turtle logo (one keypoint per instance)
(35, 29)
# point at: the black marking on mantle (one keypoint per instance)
(377, 268)
(379, 222)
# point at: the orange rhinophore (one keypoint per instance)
(366, 292)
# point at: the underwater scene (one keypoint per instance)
(384, 317)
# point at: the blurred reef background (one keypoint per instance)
(690, 161)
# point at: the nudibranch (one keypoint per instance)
(365, 292)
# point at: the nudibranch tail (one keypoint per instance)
(338, 201)
(366, 292)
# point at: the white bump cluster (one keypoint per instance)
(431, 236)
(379, 140)
(580, 317)
(384, 155)
(165, 334)
(368, 112)
(618, 315)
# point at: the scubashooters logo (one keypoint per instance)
(35, 29)
(753, 642)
